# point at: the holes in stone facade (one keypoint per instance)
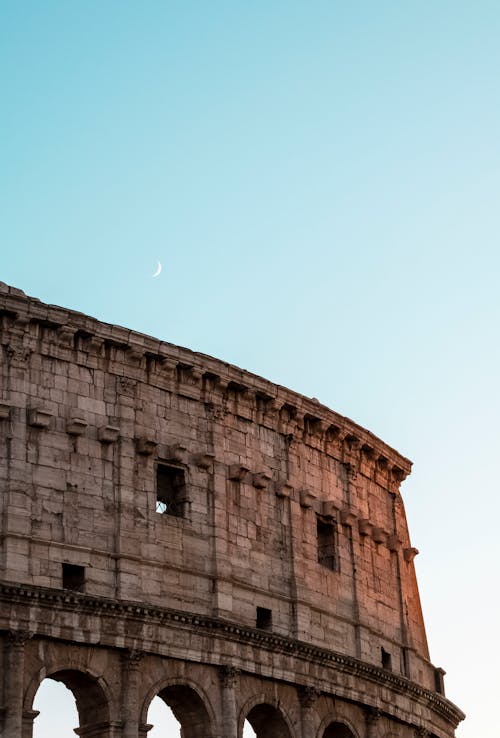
(170, 490)
(264, 618)
(327, 554)
(386, 659)
(73, 577)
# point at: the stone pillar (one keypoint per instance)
(372, 717)
(228, 676)
(130, 693)
(307, 697)
(14, 684)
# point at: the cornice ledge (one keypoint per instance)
(272, 641)
(140, 344)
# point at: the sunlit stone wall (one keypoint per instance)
(141, 473)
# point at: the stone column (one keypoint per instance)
(307, 697)
(372, 717)
(130, 693)
(14, 684)
(228, 676)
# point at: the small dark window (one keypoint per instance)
(386, 659)
(73, 577)
(264, 618)
(326, 544)
(170, 490)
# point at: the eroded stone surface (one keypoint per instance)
(167, 516)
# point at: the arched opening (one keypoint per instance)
(267, 722)
(163, 720)
(69, 699)
(187, 715)
(58, 715)
(248, 731)
(338, 730)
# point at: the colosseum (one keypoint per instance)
(174, 526)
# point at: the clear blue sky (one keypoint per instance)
(320, 181)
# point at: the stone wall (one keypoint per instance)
(138, 474)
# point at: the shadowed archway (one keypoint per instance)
(338, 730)
(188, 709)
(90, 699)
(268, 722)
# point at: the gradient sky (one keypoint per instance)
(320, 181)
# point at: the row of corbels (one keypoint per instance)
(108, 434)
(176, 453)
(179, 454)
(337, 439)
(326, 508)
(304, 419)
(357, 455)
(76, 425)
(365, 527)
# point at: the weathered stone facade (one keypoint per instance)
(174, 525)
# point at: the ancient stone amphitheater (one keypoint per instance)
(175, 526)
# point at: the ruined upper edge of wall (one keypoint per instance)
(73, 336)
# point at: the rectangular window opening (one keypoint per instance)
(170, 490)
(326, 544)
(386, 659)
(264, 618)
(73, 577)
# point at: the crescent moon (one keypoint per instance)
(158, 270)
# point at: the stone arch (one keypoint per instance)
(91, 695)
(189, 704)
(337, 727)
(267, 718)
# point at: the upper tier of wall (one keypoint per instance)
(73, 336)
(292, 515)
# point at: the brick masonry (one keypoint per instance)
(172, 524)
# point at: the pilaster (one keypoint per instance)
(307, 698)
(372, 720)
(228, 677)
(14, 684)
(130, 693)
